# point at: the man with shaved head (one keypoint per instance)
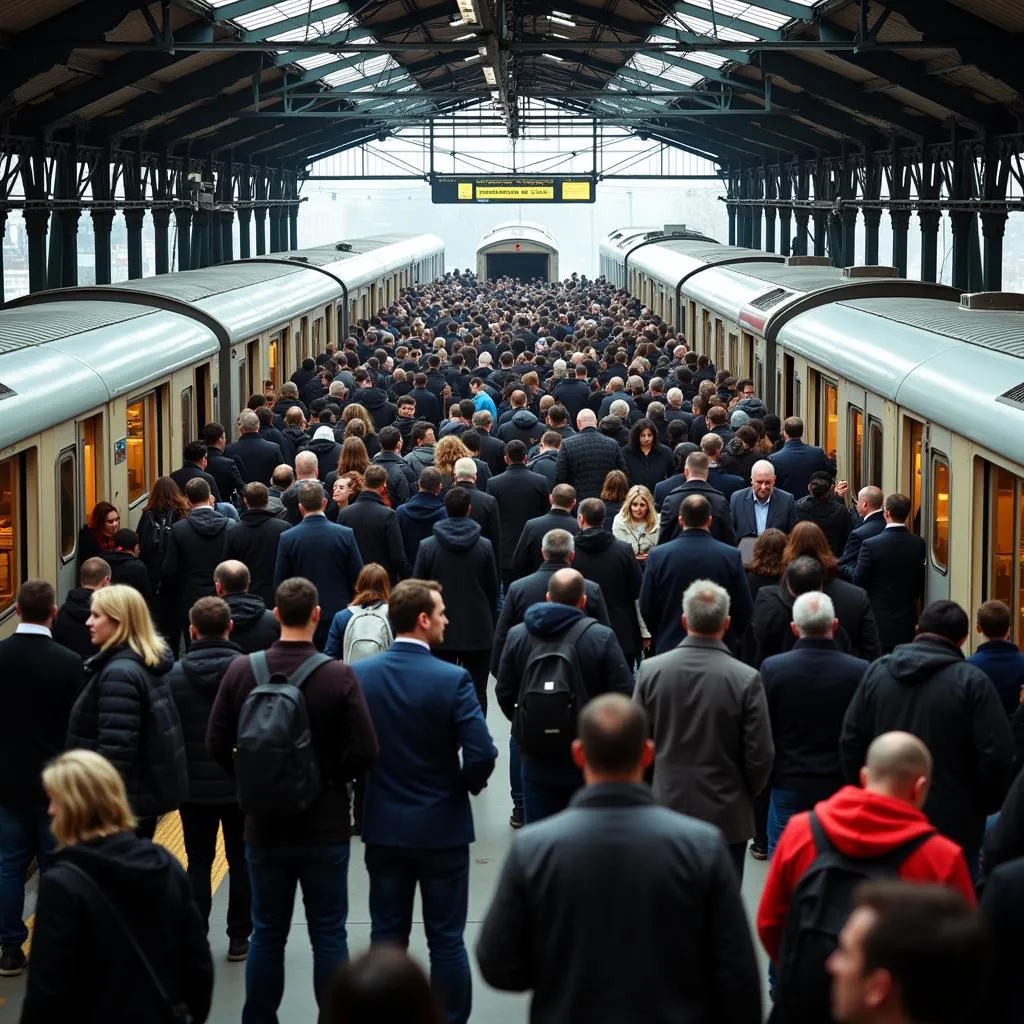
(881, 818)
(585, 459)
(762, 505)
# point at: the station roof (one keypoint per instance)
(293, 80)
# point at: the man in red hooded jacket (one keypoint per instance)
(866, 822)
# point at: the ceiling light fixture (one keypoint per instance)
(553, 56)
(562, 20)
(489, 76)
(468, 12)
(462, 39)
(472, 57)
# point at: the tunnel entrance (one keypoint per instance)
(523, 265)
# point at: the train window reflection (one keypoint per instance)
(831, 419)
(67, 486)
(874, 452)
(10, 527)
(940, 512)
(141, 447)
(856, 449)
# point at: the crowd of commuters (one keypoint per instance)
(706, 647)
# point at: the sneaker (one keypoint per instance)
(238, 950)
(758, 850)
(12, 963)
(516, 819)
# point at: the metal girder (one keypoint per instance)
(693, 39)
(298, 21)
(978, 41)
(795, 11)
(736, 21)
(844, 92)
(908, 74)
(595, 15)
(238, 9)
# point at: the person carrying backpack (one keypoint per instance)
(552, 663)
(363, 628)
(859, 834)
(292, 727)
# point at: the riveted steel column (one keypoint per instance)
(183, 222)
(36, 221)
(69, 246)
(161, 237)
(900, 233)
(261, 214)
(872, 222)
(993, 225)
(102, 222)
(930, 220)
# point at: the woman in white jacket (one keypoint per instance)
(637, 524)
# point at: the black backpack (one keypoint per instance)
(276, 771)
(818, 909)
(551, 694)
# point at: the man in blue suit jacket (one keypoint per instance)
(872, 523)
(417, 822)
(762, 505)
(322, 552)
(672, 567)
(795, 462)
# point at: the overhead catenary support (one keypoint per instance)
(785, 210)
(771, 193)
(261, 212)
(244, 216)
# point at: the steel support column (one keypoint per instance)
(848, 220)
(183, 222)
(757, 210)
(227, 236)
(244, 216)
(36, 221)
(55, 250)
(900, 234)
(102, 221)
(69, 246)
(771, 192)
(198, 257)
(930, 220)
(731, 210)
(967, 274)
(3, 231)
(161, 238)
(133, 222)
(872, 223)
(261, 215)
(993, 226)
(293, 224)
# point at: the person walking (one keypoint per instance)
(586, 458)
(375, 525)
(39, 681)
(253, 541)
(709, 720)
(69, 627)
(522, 495)
(614, 863)
(417, 823)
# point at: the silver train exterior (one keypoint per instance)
(511, 246)
(101, 387)
(913, 387)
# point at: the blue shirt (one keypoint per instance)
(482, 400)
(761, 514)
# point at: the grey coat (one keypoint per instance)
(712, 734)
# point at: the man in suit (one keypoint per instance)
(695, 471)
(492, 450)
(672, 567)
(728, 483)
(585, 459)
(527, 557)
(484, 509)
(891, 568)
(257, 458)
(221, 467)
(808, 690)
(796, 461)
(709, 721)
(417, 822)
(762, 504)
(521, 496)
(872, 523)
(254, 540)
(39, 681)
(194, 465)
(693, 951)
(376, 526)
(322, 552)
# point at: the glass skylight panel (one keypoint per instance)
(315, 29)
(280, 11)
(704, 28)
(725, 9)
(316, 61)
(711, 60)
(370, 66)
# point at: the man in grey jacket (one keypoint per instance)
(617, 909)
(709, 720)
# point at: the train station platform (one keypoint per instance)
(491, 811)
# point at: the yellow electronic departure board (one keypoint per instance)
(516, 188)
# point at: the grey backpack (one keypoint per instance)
(276, 771)
(368, 633)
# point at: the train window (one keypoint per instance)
(202, 395)
(759, 375)
(798, 395)
(706, 333)
(90, 432)
(317, 328)
(141, 447)
(187, 429)
(827, 435)
(875, 439)
(243, 382)
(275, 359)
(11, 524)
(856, 449)
(913, 433)
(1001, 563)
(67, 494)
(252, 361)
(719, 356)
(940, 511)
(789, 374)
(734, 355)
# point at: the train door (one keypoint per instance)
(70, 514)
(202, 384)
(91, 466)
(937, 510)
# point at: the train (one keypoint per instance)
(517, 249)
(912, 386)
(101, 387)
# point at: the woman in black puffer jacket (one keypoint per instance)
(114, 711)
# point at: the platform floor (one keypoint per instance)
(491, 811)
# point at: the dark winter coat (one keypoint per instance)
(401, 477)
(84, 967)
(189, 471)
(522, 496)
(69, 628)
(721, 515)
(377, 534)
(416, 520)
(131, 571)
(492, 451)
(255, 627)
(523, 426)
(545, 464)
(194, 550)
(257, 459)
(376, 403)
(419, 457)
(648, 470)
(194, 680)
(109, 716)
(484, 510)
(225, 471)
(1003, 662)
(927, 688)
(585, 460)
(739, 460)
(527, 557)
(462, 560)
(151, 530)
(573, 394)
(831, 515)
(611, 564)
(253, 541)
(327, 453)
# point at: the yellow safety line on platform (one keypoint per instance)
(170, 835)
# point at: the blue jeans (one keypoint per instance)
(548, 788)
(515, 773)
(274, 872)
(443, 878)
(783, 805)
(24, 834)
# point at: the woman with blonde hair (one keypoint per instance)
(636, 522)
(117, 935)
(125, 710)
(447, 452)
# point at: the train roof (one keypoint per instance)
(912, 351)
(512, 230)
(675, 260)
(62, 359)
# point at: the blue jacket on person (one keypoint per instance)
(794, 463)
(484, 403)
(1003, 662)
(424, 711)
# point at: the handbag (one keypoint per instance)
(174, 1013)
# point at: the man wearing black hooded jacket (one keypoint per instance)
(211, 802)
(253, 626)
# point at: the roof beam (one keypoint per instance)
(605, 18)
(276, 28)
(736, 21)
